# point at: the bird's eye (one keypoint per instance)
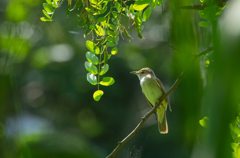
(142, 72)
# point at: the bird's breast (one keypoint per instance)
(151, 89)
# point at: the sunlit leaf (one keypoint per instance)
(46, 14)
(147, 13)
(99, 30)
(140, 4)
(45, 19)
(90, 45)
(101, 11)
(92, 58)
(234, 146)
(49, 1)
(48, 7)
(97, 95)
(91, 78)
(91, 68)
(93, 1)
(204, 122)
(104, 69)
(107, 81)
(114, 51)
(110, 44)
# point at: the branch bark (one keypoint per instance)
(149, 113)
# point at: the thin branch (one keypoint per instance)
(149, 113)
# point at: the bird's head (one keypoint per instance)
(144, 72)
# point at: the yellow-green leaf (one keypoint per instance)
(147, 13)
(92, 58)
(140, 4)
(204, 122)
(99, 30)
(91, 78)
(91, 68)
(45, 19)
(114, 51)
(97, 95)
(107, 81)
(90, 45)
(104, 69)
(48, 7)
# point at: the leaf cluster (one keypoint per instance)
(102, 20)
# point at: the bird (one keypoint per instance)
(153, 89)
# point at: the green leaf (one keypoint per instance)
(116, 40)
(140, 4)
(147, 13)
(234, 146)
(110, 44)
(110, 39)
(114, 51)
(97, 95)
(69, 7)
(49, 2)
(48, 7)
(204, 24)
(91, 68)
(204, 122)
(117, 5)
(104, 69)
(90, 45)
(101, 19)
(109, 56)
(127, 34)
(101, 11)
(209, 13)
(91, 78)
(93, 1)
(131, 10)
(111, 26)
(92, 58)
(159, 2)
(110, 33)
(107, 81)
(46, 14)
(99, 30)
(45, 19)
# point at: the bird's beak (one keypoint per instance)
(134, 72)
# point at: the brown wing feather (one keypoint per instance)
(164, 91)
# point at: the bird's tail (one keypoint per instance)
(162, 120)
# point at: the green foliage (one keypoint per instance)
(147, 13)
(204, 122)
(97, 95)
(105, 28)
(235, 133)
(210, 13)
(107, 81)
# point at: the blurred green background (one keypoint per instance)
(46, 104)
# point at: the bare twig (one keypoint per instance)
(149, 113)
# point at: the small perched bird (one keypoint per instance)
(153, 89)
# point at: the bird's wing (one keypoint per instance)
(164, 91)
(148, 100)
